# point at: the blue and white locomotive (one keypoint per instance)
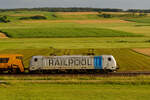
(74, 62)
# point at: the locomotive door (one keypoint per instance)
(105, 62)
(98, 62)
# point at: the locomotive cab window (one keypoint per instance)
(109, 59)
(4, 60)
(35, 59)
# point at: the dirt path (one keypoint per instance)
(77, 21)
(2, 35)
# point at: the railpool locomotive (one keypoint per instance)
(76, 62)
(14, 63)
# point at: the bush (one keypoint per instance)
(106, 15)
(54, 15)
(38, 17)
(3, 19)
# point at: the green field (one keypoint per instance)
(74, 34)
(75, 43)
(78, 32)
(75, 88)
(140, 20)
(70, 26)
(65, 32)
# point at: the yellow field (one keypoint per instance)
(3, 35)
(91, 13)
(145, 51)
(78, 21)
(77, 13)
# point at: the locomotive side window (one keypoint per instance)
(109, 59)
(4, 60)
(35, 59)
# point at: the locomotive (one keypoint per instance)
(14, 63)
(74, 62)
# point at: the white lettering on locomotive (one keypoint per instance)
(72, 61)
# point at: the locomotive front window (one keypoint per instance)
(109, 59)
(35, 59)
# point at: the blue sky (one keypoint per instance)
(124, 4)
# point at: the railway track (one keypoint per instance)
(81, 74)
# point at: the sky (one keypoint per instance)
(123, 4)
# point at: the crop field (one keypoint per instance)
(75, 88)
(78, 31)
(73, 25)
(67, 32)
(124, 36)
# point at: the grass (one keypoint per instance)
(65, 32)
(75, 43)
(75, 88)
(71, 27)
(125, 57)
(46, 91)
(77, 79)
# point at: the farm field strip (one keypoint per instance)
(121, 28)
(76, 13)
(75, 43)
(77, 78)
(69, 91)
(77, 21)
(67, 32)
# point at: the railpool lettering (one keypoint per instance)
(74, 61)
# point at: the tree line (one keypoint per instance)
(139, 10)
(65, 9)
(77, 10)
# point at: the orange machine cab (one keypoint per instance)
(11, 62)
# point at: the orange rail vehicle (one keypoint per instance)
(11, 63)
